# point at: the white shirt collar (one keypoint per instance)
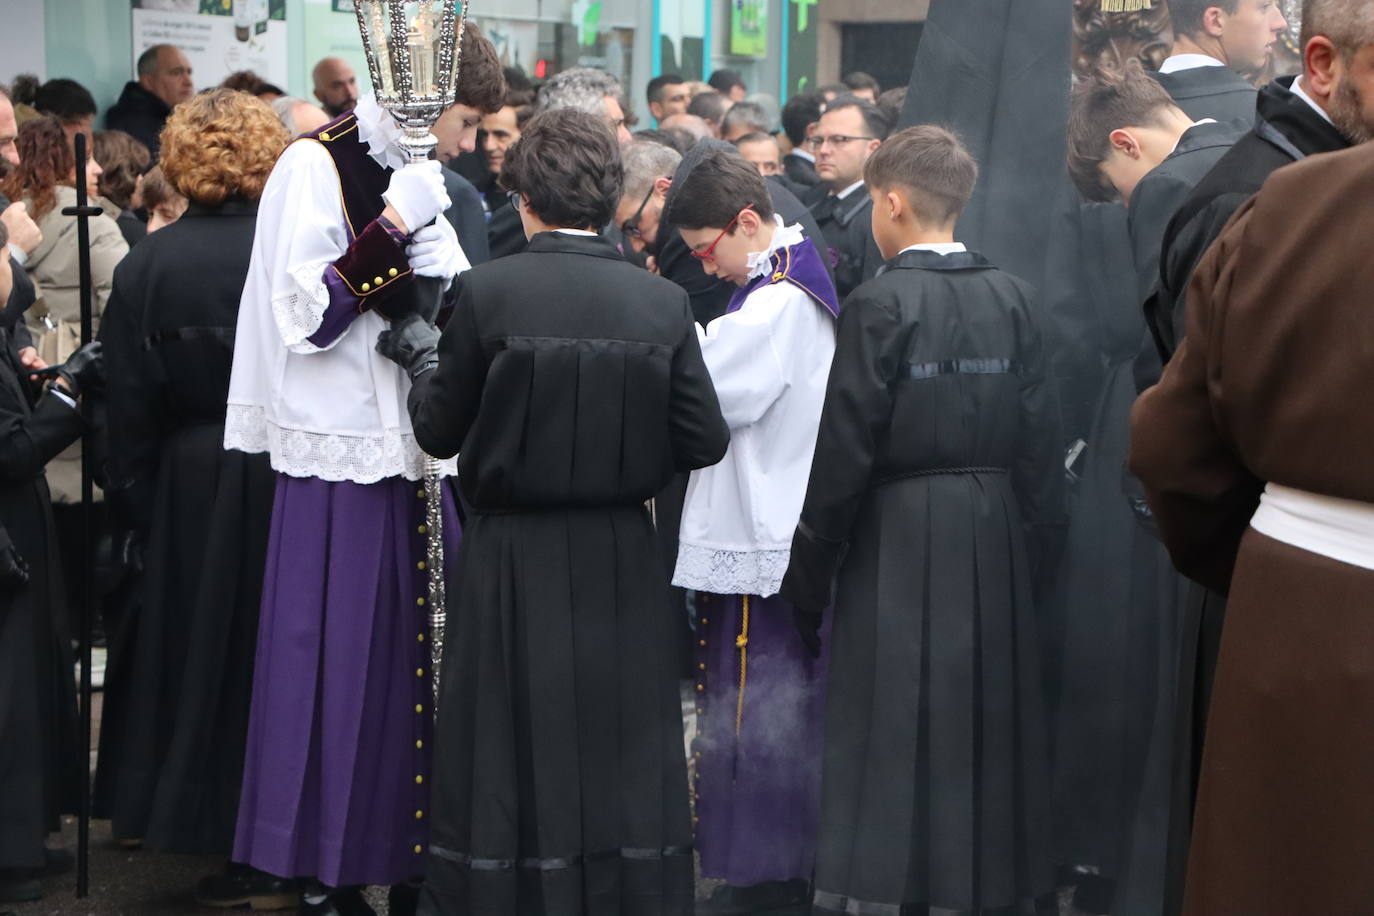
(937, 247)
(1302, 94)
(379, 130)
(802, 154)
(850, 190)
(577, 232)
(760, 262)
(1188, 62)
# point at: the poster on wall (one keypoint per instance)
(219, 37)
(749, 28)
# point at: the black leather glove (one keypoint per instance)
(411, 343)
(84, 369)
(14, 571)
(422, 296)
(808, 624)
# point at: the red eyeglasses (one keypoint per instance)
(709, 253)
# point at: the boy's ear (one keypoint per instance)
(1125, 142)
(896, 205)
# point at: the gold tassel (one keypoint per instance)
(1125, 6)
(742, 643)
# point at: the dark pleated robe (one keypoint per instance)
(39, 758)
(181, 668)
(572, 386)
(1267, 386)
(935, 505)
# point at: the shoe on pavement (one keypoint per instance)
(241, 885)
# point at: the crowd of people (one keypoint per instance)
(728, 424)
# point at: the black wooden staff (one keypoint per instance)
(83, 212)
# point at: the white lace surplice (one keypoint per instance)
(769, 361)
(336, 412)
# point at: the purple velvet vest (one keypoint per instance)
(361, 179)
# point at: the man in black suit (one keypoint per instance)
(799, 117)
(848, 133)
(651, 170)
(1212, 40)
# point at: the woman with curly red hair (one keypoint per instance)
(181, 669)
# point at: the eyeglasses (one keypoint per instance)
(836, 141)
(630, 228)
(514, 197)
(709, 253)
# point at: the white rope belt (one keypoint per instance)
(1342, 529)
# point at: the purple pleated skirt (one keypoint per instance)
(757, 763)
(336, 776)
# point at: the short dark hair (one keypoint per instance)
(875, 122)
(724, 80)
(708, 105)
(656, 85)
(861, 80)
(481, 81)
(67, 99)
(1186, 15)
(1100, 103)
(932, 165)
(567, 164)
(122, 161)
(244, 81)
(748, 114)
(800, 112)
(891, 103)
(832, 89)
(517, 81)
(720, 185)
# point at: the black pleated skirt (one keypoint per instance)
(935, 785)
(560, 780)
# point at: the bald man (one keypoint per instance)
(336, 86)
(163, 82)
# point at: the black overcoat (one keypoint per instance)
(572, 387)
(180, 674)
(39, 765)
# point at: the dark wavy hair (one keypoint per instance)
(567, 164)
(46, 160)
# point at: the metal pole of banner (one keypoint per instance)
(83, 212)
(414, 55)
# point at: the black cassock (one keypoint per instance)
(574, 385)
(936, 492)
(181, 667)
(39, 762)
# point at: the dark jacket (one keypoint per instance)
(800, 170)
(1211, 92)
(1162, 191)
(1286, 130)
(848, 228)
(140, 114)
(467, 216)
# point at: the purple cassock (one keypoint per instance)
(336, 775)
(760, 699)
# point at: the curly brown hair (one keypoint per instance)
(46, 160)
(122, 159)
(481, 80)
(221, 144)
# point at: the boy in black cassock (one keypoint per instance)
(935, 495)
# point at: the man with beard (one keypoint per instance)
(1328, 107)
(336, 86)
(1214, 42)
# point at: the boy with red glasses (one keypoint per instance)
(759, 687)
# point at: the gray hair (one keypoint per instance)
(747, 115)
(645, 162)
(580, 88)
(1348, 23)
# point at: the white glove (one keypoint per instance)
(417, 193)
(434, 252)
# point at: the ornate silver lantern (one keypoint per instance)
(414, 50)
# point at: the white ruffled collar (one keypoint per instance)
(379, 130)
(760, 262)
